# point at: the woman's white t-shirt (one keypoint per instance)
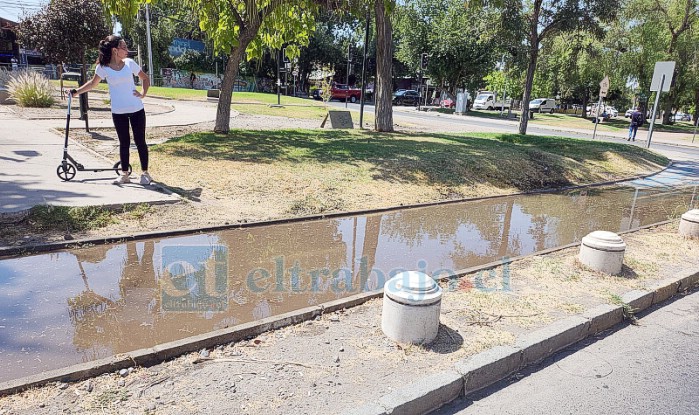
(121, 87)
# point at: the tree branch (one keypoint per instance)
(238, 19)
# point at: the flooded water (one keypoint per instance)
(69, 307)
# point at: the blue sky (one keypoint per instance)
(12, 9)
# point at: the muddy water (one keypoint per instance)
(69, 307)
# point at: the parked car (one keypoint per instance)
(681, 116)
(406, 97)
(613, 112)
(316, 94)
(342, 92)
(543, 105)
(628, 113)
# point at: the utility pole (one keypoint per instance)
(366, 42)
(150, 49)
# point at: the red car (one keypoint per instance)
(341, 91)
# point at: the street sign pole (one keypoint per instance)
(655, 109)
(279, 79)
(599, 103)
(603, 89)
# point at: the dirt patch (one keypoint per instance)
(343, 360)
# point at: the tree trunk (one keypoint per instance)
(223, 110)
(533, 56)
(670, 99)
(383, 90)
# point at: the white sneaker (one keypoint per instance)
(123, 179)
(146, 179)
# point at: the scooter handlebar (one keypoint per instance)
(70, 98)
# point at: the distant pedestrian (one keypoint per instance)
(192, 78)
(14, 63)
(637, 120)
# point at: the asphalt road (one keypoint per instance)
(648, 369)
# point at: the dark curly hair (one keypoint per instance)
(105, 49)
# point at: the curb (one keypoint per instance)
(486, 368)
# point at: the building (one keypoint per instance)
(9, 48)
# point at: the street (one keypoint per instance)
(652, 368)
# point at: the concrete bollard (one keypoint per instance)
(603, 251)
(689, 224)
(411, 304)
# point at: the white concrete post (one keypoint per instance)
(411, 305)
(603, 251)
(689, 224)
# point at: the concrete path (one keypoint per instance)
(652, 368)
(29, 156)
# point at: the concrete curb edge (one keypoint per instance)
(490, 366)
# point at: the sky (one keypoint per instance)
(12, 9)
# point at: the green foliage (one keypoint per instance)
(70, 218)
(64, 30)
(30, 89)
(459, 53)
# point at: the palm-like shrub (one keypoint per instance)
(30, 89)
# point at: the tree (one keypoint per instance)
(545, 18)
(243, 29)
(383, 108)
(64, 30)
(459, 50)
(677, 17)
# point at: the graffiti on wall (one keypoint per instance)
(176, 78)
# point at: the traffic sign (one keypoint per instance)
(604, 87)
(662, 68)
(295, 72)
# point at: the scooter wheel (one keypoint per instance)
(66, 172)
(117, 168)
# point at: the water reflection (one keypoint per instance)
(68, 307)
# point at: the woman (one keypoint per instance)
(114, 66)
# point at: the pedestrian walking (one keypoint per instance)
(192, 78)
(127, 105)
(637, 119)
(13, 61)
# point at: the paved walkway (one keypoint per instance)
(30, 154)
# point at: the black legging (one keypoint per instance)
(138, 125)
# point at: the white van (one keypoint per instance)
(486, 101)
(542, 105)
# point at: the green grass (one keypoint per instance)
(65, 218)
(500, 160)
